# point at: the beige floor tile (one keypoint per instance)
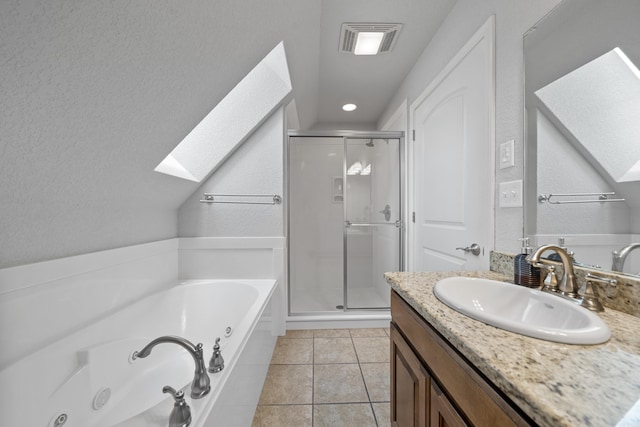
(349, 415)
(334, 350)
(283, 416)
(288, 384)
(368, 332)
(331, 333)
(339, 383)
(298, 333)
(382, 411)
(372, 350)
(377, 380)
(293, 351)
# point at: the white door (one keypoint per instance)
(453, 162)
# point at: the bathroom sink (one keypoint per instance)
(522, 310)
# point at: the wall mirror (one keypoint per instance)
(582, 133)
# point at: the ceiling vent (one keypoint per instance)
(349, 35)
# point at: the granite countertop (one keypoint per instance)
(555, 384)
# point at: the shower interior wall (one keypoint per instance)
(317, 216)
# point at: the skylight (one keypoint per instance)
(230, 122)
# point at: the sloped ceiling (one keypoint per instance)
(95, 94)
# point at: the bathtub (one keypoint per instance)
(90, 379)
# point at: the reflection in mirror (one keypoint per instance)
(582, 152)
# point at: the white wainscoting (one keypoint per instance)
(45, 301)
(238, 258)
(595, 249)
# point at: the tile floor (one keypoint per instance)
(327, 378)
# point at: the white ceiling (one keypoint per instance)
(368, 81)
(324, 79)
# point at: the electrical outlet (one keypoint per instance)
(507, 150)
(511, 194)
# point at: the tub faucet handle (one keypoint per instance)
(181, 414)
(216, 364)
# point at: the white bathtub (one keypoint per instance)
(89, 379)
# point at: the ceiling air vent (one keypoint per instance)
(349, 35)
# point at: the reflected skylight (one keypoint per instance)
(598, 104)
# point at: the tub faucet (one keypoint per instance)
(216, 364)
(619, 257)
(181, 414)
(200, 385)
(568, 285)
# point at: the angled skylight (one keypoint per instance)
(599, 105)
(232, 120)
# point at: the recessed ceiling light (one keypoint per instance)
(349, 107)
(368, 43)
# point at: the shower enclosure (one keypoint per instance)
(345, 220)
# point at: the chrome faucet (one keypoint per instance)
(200, 385)
(619, 257)
(216, 364)
(568, 285)
(181, 414)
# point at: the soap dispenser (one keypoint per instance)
(524, 273)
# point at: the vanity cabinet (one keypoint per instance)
(432, 385)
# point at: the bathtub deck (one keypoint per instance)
(328, 377)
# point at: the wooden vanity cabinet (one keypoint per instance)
(432, 385)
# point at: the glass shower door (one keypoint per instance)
(315, 225)
(373, 220)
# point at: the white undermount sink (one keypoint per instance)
(522, 310)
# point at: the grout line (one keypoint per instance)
(313, 378)
(366, 387)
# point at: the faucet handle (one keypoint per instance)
(550, 283)
(590, 295)
(603, 280)
(216, 364)
(181, 414)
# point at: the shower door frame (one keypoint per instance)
(345, 135)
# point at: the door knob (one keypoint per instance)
(474, 249)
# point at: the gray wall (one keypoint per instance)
(513, 18)
(255, 168)
(94, 94)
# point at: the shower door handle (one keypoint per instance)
(387, 212)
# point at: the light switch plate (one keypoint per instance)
(511, 194)
(507, 154)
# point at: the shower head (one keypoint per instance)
(370, 143)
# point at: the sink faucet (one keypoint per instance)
(568, 285)
(201, 383)
(619, 257)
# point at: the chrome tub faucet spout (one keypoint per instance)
(200, 385)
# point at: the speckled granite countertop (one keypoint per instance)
(555, 384)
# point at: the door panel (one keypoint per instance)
(453, 163)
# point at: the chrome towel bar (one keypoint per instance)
(213, 198)
(602, 198)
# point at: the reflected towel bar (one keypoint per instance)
(212, 198)
(602, 198)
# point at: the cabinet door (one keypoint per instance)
(443, 414)
(409, 385)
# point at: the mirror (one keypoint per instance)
(582, 133)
